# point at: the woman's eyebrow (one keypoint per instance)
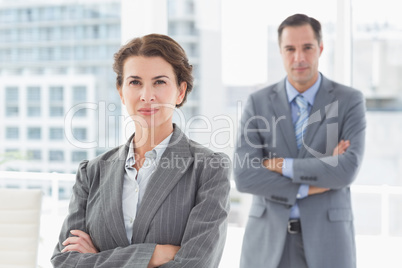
(133, 76)
(160, 76)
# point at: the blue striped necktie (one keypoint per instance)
(301, 123)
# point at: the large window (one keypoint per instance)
(377, 68)
(377, 60)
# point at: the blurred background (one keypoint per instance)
(59, 104)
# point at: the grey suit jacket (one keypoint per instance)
(186, 204)
(326, 219)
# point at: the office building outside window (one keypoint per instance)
(12, 133)
(34, 133)
(34, 155)
(78, 156)
(11, 101)
(56, 156)
(56, 133)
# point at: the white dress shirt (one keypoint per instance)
(135, 183)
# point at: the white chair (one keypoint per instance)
(19, 227)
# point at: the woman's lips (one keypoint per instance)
(148, 111)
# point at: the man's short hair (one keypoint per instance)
(300, 20)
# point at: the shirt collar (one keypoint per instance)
(156, 153)
(309, 94)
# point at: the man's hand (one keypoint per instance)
(316, 190)
(274, 164)
(81, 242)
(339, 149)
(162, 254)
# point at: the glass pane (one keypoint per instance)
(56, 94)
(34, 133)
(56, 133)
(12, 94)
(12, 111)
(78, 156)
(56, 156)
(34, 154)
(80, 133)
(377, 57)
(79, 94)
(33, 94)
(33, 111)
(56, 111)
(12, 133)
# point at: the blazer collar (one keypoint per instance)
(111, 192)
(325, 105)
(322, 104)
(174, 162)
(283, 116)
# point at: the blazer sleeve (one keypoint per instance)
(205, 233)
(249, 173)
(136, 255)
(336, 172)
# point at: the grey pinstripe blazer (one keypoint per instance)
(186, 204)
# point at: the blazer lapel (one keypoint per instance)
(173, 164)
(111, 191)
(324, 105)
(283, 117)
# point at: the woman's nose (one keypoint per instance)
(147, 94)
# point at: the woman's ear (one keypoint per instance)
(182, 92)
(120, 90)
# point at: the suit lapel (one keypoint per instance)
(283, 117)
(111, 191)
(318, 112)
(173, 164)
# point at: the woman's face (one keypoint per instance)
(150, 91)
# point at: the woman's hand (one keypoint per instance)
(162, 254)
(81, 242)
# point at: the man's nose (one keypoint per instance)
(299, 56)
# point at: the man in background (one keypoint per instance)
(308, 134)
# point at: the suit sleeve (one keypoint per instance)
(249, 173)
(137, 255)
(205, 233)
(336, 172)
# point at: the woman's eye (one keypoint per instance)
(160, 82)
(134, 82)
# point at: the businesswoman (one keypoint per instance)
(160, 200)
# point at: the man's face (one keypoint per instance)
(300, 54)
